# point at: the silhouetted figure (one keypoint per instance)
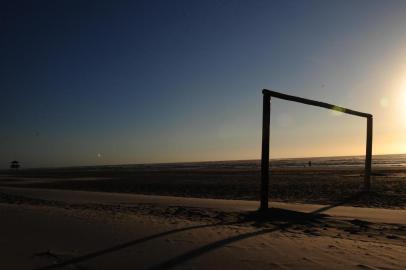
(15, 165)
(310, 163)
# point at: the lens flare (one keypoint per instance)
(337, 111)
(384, 102)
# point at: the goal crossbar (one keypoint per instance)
(267, 94)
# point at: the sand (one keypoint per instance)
(316, 185)
(60, 229)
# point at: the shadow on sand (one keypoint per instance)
(279, 219)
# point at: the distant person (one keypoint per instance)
(310, 163)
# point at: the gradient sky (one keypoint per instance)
(113, 82)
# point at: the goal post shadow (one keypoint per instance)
(266, 115)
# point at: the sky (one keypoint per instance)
(123, 82)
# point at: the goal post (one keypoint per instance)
(266, 114)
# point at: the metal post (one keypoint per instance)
(266, 114)
(368, 155)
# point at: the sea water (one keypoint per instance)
(398, 160)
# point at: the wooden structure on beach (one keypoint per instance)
(266, 114)
(14, 165)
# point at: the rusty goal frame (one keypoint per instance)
(266, 114)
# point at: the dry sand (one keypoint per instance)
(58, 229)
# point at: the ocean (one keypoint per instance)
(398, 160)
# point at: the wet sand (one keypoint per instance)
(316, 185)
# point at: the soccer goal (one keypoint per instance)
(266, 115)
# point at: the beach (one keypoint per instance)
(197, 135)
(203, 216)
(59, 229)
(328, 181)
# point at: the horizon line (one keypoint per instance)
(201, 161)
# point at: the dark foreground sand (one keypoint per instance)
(57, 229)
(327, 185)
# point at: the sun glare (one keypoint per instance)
(400, 101)
(403, 100)
(384, 102)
